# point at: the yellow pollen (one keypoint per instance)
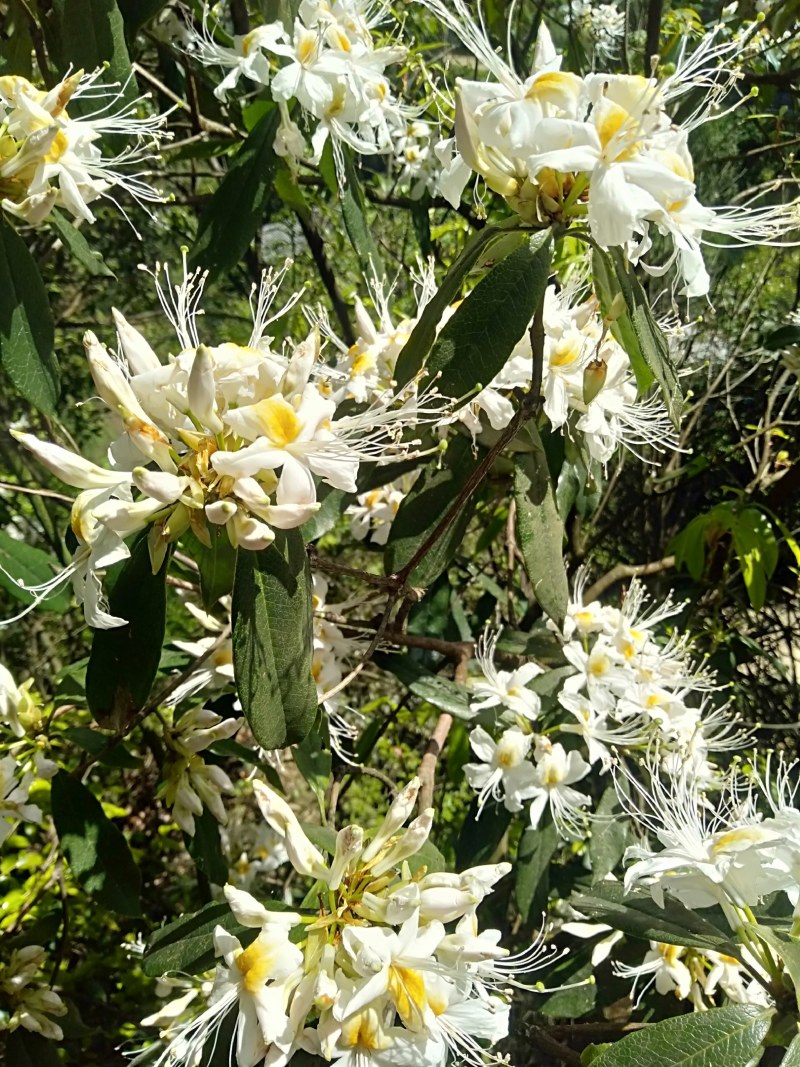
(255, 963)
(279, 419)
(407, 990)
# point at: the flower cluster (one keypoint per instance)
(327, 64)
(392, 968)
(48, 159)
(24, 1003)
(204, 435)
(624, 689)
(606, 148)
(190, 784)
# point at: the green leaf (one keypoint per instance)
(609, 836)
(16, 45)
(422, 510)
(79, 247)
(416, 348)
(26, 325)
(731, 1036)
(124, 660)
(237, 208)
(540, 531)
(333, 503)
(428, 857)
(531, 885)
(787, 948)
(439, 691)
(96, 851)
(481, 835)
(94, 742)
(24, 1049)
(792, 1057)
(354, 213)
(88, 34)
(475, 343)
(757, 551)
(205, 848)
(638, 915)
(137, 12)
(636, 328)
(187, 944)
(313, 759)
(273, 641)
(31, 566)
(216, 563)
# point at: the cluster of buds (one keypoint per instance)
(48, 159)
(24, 1003)
(390, 968)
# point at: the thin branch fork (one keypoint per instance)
(627, 570)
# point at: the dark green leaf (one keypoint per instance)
(731, 1036)
(638, 915)
(333, 504)
(415, 350)
(422, 510)
(540, 531)
(354, 213)
(16, 45)
(313, 759)
(187, 945)
(88, 34)
(137, 12)
(536, 848)
(31, 566)
(26, 325)
(475, 343)
(97, 852)
(787, 948)
(272, 641)
(79, 247)
(792, 1057)
(124, 660)
(219, 1045)
(783, 337)
(97, 744)
(481, 835)
(216, 563)
(237, 208)
(609, 835)
(205, 848)
(439, 691)
(24, 1049)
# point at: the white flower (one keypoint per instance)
(31, 1006)
(14, 806)
(506, 689)
(49, 159)
(191, 783)
(15, 701)
(505, 772)
(555, 773)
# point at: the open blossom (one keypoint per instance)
(16, 703)
(224, 435)
(49, 159)
(327, 62)
(190, 783)
(608, 148)
(373, 513)
(25, 1003)
(391, 968)
(15, 783)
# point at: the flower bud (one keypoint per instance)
(71, 468)
(140, 356)
(202, 390)
(159, 485)
(303, 856)
(349, 843)
(407, 845)
(401, 808)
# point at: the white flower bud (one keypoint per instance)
(303, 856)
(401, 808)
(220, 511)
(71, 468)
(202, 390)
(349, 843)
(160, 485)
(407, 845)
(140, 356)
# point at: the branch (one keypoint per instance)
(317, 248)
(430, 758)
(626, 570)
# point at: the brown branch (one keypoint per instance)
(626, 570)
(430, 758)
(317, 248)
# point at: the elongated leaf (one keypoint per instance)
(354, 213)
(422, 510)
(418, 345)
(96, 851)
(333, 503)
(205, 848)
(187, 945)
(792, 1057)
(216, 564)
(97, 744)
(124, 660)
(26, 325)
(609, 836)
(237, 208)
(313, 759)
(439, 691)
(88, 34)
(540, 531)
(731, 1036)
(636, 328)
(31, 566)
(638, 914)
(787, 948)
(531, 885)
(272, 641)
(481, 835)
(79, 247)
(475, 343)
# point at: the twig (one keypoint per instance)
(391, 600)
(627, 570)
(209, 125)
(10, 487)
(430, 758)
(317, 248)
